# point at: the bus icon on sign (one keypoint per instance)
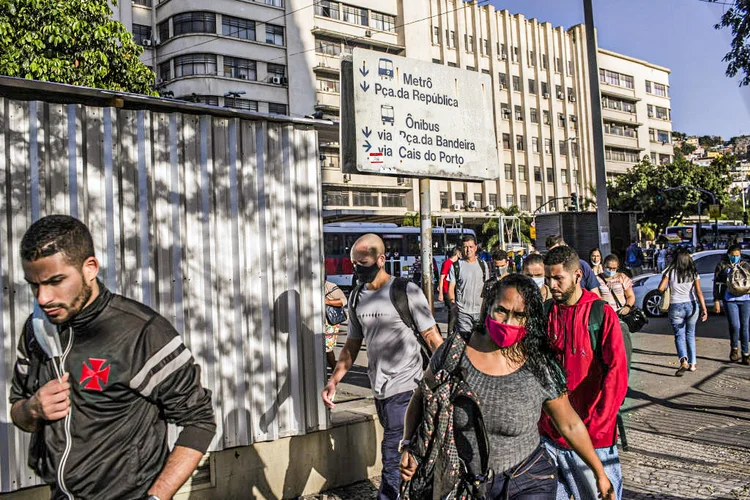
(385, 68)
(386, 114)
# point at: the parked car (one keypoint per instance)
(645, 286)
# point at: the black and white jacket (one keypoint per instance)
(130, 374)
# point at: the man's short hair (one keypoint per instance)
(611, 258)
(563, 255)
(499, 255)
(468, 237)
(374, 246)
(58, 234)
(554, 240)
(532, 259)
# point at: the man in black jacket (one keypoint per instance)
(101, 431)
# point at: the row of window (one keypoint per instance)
(149, 3)
(534, 116)
(663, 136)
(460, 199)
(236, 103)
(355, 15)
(502, 79)
(620, 129)
(205, 22)
(523, 174)
(327, 46)
(510, 200)
(660, 159)
(346, 198)
(233, 67)
(658, 89)
(659, 112)
(563, 146)
(502, 50)
(616, 79)
(617, 154)
(618, 104)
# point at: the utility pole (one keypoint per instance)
(425, 224)
(602, 212)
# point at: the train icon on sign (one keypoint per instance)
(385, 68)
(386, 114)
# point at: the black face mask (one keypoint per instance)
(366, 274)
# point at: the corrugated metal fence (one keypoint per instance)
(211, 217)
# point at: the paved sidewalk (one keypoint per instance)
(689, 437)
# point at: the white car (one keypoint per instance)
(645, 286)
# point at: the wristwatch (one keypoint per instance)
(403, 444)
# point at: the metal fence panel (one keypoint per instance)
(212, 220)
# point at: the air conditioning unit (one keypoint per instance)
(546, 95)
(489, 208)
(368, 33)
(347, 177)
(560, 95)
(506, 111)
(572, 98)
(473, 204)
(400, 181)
(147, 43)
(574, 119)
(456, 207)
(505, 57)
(276, 80)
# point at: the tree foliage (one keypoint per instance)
(70, 41)
(709, 141)
(645, 186)
(489, 231)
(737, 19)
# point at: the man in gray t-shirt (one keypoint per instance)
(465, 290)
(393, 352)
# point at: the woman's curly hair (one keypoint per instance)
(535, 348)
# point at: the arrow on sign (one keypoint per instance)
(364, 70)
(367, 146)
(364, 86)
(367, 131)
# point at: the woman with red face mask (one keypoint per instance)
(510, 367)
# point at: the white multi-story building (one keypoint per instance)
(283, 56)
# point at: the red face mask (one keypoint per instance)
(503, 334)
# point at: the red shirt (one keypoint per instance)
(444, 273)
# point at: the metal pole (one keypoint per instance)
(602, 213)
(426, 233)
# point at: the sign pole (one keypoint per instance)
(425, 225)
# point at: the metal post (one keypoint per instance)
(426, 233)
(698, 226)
(602, 213)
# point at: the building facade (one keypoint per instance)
(283, 56)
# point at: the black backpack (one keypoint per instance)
(400, 301)
(457, 269)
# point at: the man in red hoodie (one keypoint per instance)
(596, 366)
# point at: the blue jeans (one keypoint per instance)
(738, 316)
(683, 318)
(391, 413)
(575, 478)
(534, 479)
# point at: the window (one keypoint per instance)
(335, 198)
(274, 34)
(194, 22)
(502, 51)
(570, 67)
(141, 33)
(535, 145)
(576, 176)
(276, 109)
(574, 149)
(471, 68)
(244, 69)
(559, 92)
(520, 143)
(145, 3)
(571, 94)
(354, 15)
(618, 104)
(532, 86)
(548, 146)
(524, 202)
(165, 71)
(502, 79)
(616, 154)
(460, 198)
(163, 29)
(532, 59)
(365, 199)
(204, 99)
(618, 129)
(478, 198)
(485, 47)
(522, 173)
(550, 175)
(663, 136)
(275, 3)
(485, 71)
(573, 121)
(234, 102)
(539, 201)
(451, 64)
(437, 61)
(493, 199)
(516, 58)
(616, 79)
(652, 134)
(276, 71)
(561, 120)
(552, 203)
(653, 158)
(661, 90)
(534, 115)
(450, 39)
(648, 87)
(627, 81)
(508, 172)
(519, 113)
(397, 200)
(516, 83)
(444, 200)
(537, 174)
(506, 141)
(326, 8)
(563, 148)
(650, 110)
(558, 65)
(435, 35)
(509, 200)
(564, 176)
(469, 42)
(545, 117)
(544, 61)
(326, 84)
(383, 22)
(663, 159)
(327, 46)
(505, 110)
(195, 64)
(707, 264)
(237, 28)
(545, 89)
(662, 113)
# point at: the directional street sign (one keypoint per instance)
(413, 118)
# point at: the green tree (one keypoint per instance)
(70, 41)
(489, 228)
(644, 188)
(737, 19)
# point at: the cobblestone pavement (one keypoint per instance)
(689, 437)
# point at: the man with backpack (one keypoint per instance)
(392, 315)
(467, 278)
(634, 258)
(589, 341)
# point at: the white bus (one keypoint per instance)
(401, 247)
(728, 233)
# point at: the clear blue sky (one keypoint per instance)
(677, 34)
